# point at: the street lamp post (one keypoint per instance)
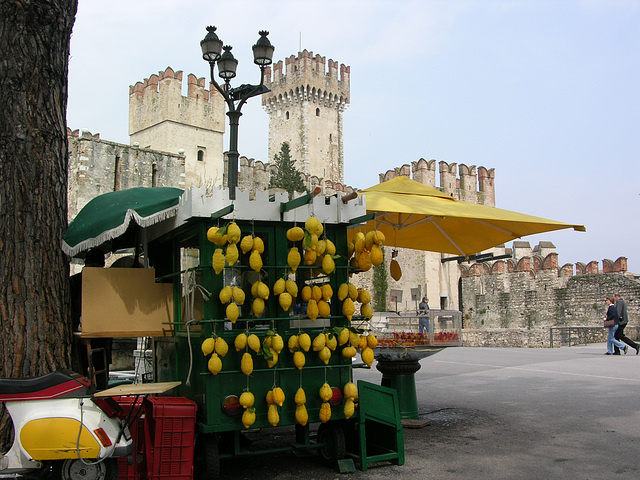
(235, 98)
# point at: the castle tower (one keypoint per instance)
(161, 118)
(305, 109)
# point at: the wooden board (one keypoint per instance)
(138, 389)
(125, 302)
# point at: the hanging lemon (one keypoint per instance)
(255, 261)
(301, 397)
(295, 234)
(225, 294)
(208, 346)
(257, 307)
(215, 364)
(246, 245)
(221, 347)
(218, 261)
(238, 295)
(293, 258)
(304, 340)
(279, 286)
(232, 312)
(246, 364)
(285, 301)
(233, 233)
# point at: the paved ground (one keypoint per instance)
(504, 413)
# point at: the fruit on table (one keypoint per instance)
(272, 415)
(349, 408)
(246, 244)
(278, 396)
(295, 234)
(299, 359)
(302, 417)
(246, 364)
(232, 312)
(249, 417)
(325, 392)
(247, 399)
(304, 340)
(293, 258)
(325, 412)
(221, 347)
(215, 364)
(255, 261)
(218, 261)
(225, 294)
(232, 254)
(301, 397)
(254, 342)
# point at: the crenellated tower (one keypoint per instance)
(161, 118)
(305, 108)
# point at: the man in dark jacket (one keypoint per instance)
(621, 307)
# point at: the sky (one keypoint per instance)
(546, 92)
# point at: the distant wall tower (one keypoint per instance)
(161, 118)
(305, 109)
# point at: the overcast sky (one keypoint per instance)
(546, 92)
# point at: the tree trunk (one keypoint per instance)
(34, 287)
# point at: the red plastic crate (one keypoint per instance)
(138, 470)
(169, 437)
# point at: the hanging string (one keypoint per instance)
(190, 288)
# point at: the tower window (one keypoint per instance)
(287, 116)
(317, 112)
(200, 155)
(154, 174)
(330, 137)
(116, 174)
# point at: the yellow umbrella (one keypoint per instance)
(412, 215)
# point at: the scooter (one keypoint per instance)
(62, 432)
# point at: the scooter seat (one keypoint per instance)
(61, 383)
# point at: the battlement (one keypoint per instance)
(310, 66)
(159, 99)
(475, 185)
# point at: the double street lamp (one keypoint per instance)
(235, 98)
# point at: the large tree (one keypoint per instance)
(286, 175)
(34, 288)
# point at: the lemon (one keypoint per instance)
(350, 391)
(301, 397)
(218, 261)
(285, 301)
(292, 343)
(310, 256)
(359, 242)
(312, 310)
(306, 293)
(292, 288)
(215, 364)
(349, 408)
(238, 295)
(233, 233)
(279, 286)
(363, 343)
(363, 296)
(325, 355)
(246, 364)
(349, 352)
(293, 258)
(343, 337)
(304, 340)
(232, 312)
(214, 237)
(321, 247)
(272, 415)
(343, 291)
(255, 261)
(369, 239)
(299, 359)
(353, 292)
(278, 396)
(377, 256)
(328, 265)
(325, 392)
(240, 342)
(319, 342)
(269, 398)
(258, 245)
(208, 346)
(313, 226)
(394, 270)
(348, 308)
(380, 238)
(263, 291)
(246, 245)
(302, 417)
(324, 309)
(351, 248)
(372, 341)
(364, 261)
(327, 292)
(331, 341)
(366, 311)
(257, 307)
(249, 417)
(316, 293)
(295, 234)
(225, 294)
(231, 256)
(367, 356)
(325, 412)
(277, 343)
(330, 247)
(274, 358)
(247, 399)
(254, 342)
(354, 339)
(221, 347)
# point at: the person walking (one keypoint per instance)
(611, 321)
(621, 308)
(423, 322)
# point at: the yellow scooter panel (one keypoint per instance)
(57, 438)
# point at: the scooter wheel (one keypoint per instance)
(79, 470)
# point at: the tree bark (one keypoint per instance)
(34, 287)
